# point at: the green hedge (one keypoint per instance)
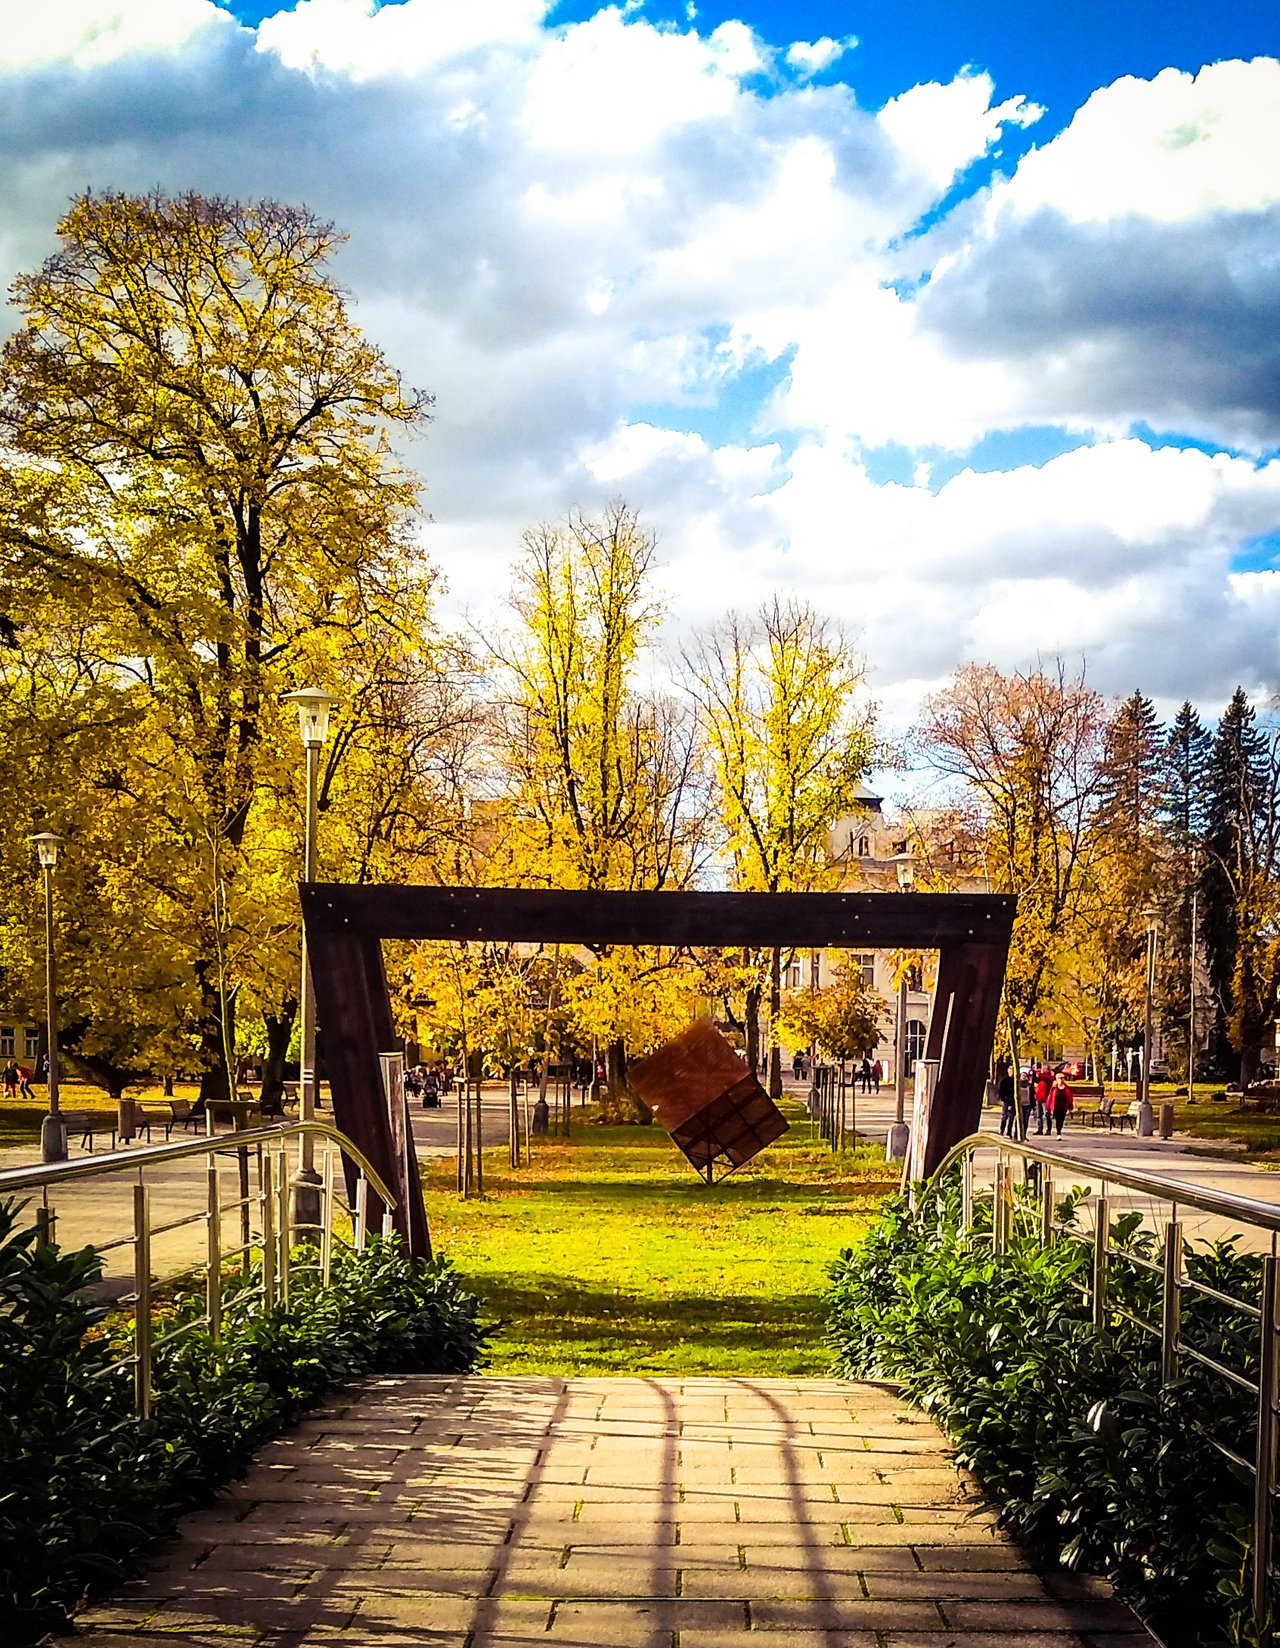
(83, 1487)
(1090, 1463)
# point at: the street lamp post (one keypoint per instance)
(1146, 1116)
(1191, 988)
(53, 1133)
(899, 1133)
(314, 706)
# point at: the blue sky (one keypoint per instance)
(968, 332)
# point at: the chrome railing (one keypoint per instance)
(261, 1210)
(1164, 1204)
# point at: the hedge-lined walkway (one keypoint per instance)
(605, 1513)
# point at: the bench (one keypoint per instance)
(80, 1124)
(1118, 1113)
(186, 1114)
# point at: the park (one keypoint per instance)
(672, 1044)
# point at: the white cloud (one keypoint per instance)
(581, 235)
(89, 33)
(945, 128)
(1173, 148)
(810, 57)
(366, 40)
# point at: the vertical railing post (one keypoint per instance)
(1047, 1212)
(1171, 1315)
(966, 1193)
(268, 1213)
(142, 1302)
(283, 1208)
(45, 1222)
(1000, 1207)
(361, 1213)
(1101, 1241)
(327, 1204)
(213, 1259)
(1265, 1460)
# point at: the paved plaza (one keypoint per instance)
(605, 1513)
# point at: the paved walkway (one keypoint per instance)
(605, 1513)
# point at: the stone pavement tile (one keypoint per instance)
(968, 1558)
(401, 1610)
(697, 1637)
(731, 1582)
(946, 1638)
(844, 1614)
(447, 1556)
(594, 1522)
(639, 1621)
(1047, 1614)
(593, 1574)
(999, 1585)
(249, 1637)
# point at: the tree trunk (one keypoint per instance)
(775, 1011)
(213, 1074)
(279, 1032)
(752, 1014)
(623, 1104)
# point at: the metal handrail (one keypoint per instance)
(1178, 1191)
(42, 1174)
(1174, 1347)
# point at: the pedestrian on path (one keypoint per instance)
(1061, 1101)
(1005, 1091)
(1043, 1084)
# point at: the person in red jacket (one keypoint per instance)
(1061, 1099)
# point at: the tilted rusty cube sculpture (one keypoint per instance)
(707, 1099)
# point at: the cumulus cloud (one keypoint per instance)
(664, 262)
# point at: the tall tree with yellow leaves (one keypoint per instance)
(196, 467)
(791, 733)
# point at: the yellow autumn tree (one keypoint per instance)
(791, 733)
(604, 783)
(196, 469)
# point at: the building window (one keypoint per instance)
(866, 966)
(914, 1049)
(864, 846)
(31, 1040)
(792, 978)
(915, 977)
(7, 1048)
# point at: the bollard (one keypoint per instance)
(1166, 1118)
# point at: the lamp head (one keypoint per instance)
(46, 845)
(1151, 915)
(905, 864)
(314, 705)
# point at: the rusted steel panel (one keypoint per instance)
(707, 1099)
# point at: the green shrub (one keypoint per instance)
(83, 1486)
(1090, 1462)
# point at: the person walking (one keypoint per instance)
(1061, 1102)
(1043, 1085)
(864, 1072)
(1005, 1092)
(877, 1074)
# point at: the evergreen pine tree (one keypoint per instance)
(1237, 801)
(1183, 815)
(1130, 778)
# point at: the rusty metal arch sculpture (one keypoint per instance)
(346, 926)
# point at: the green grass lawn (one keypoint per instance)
(608, 1255)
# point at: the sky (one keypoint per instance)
(958, 321)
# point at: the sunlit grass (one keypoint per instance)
(608, 1254)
